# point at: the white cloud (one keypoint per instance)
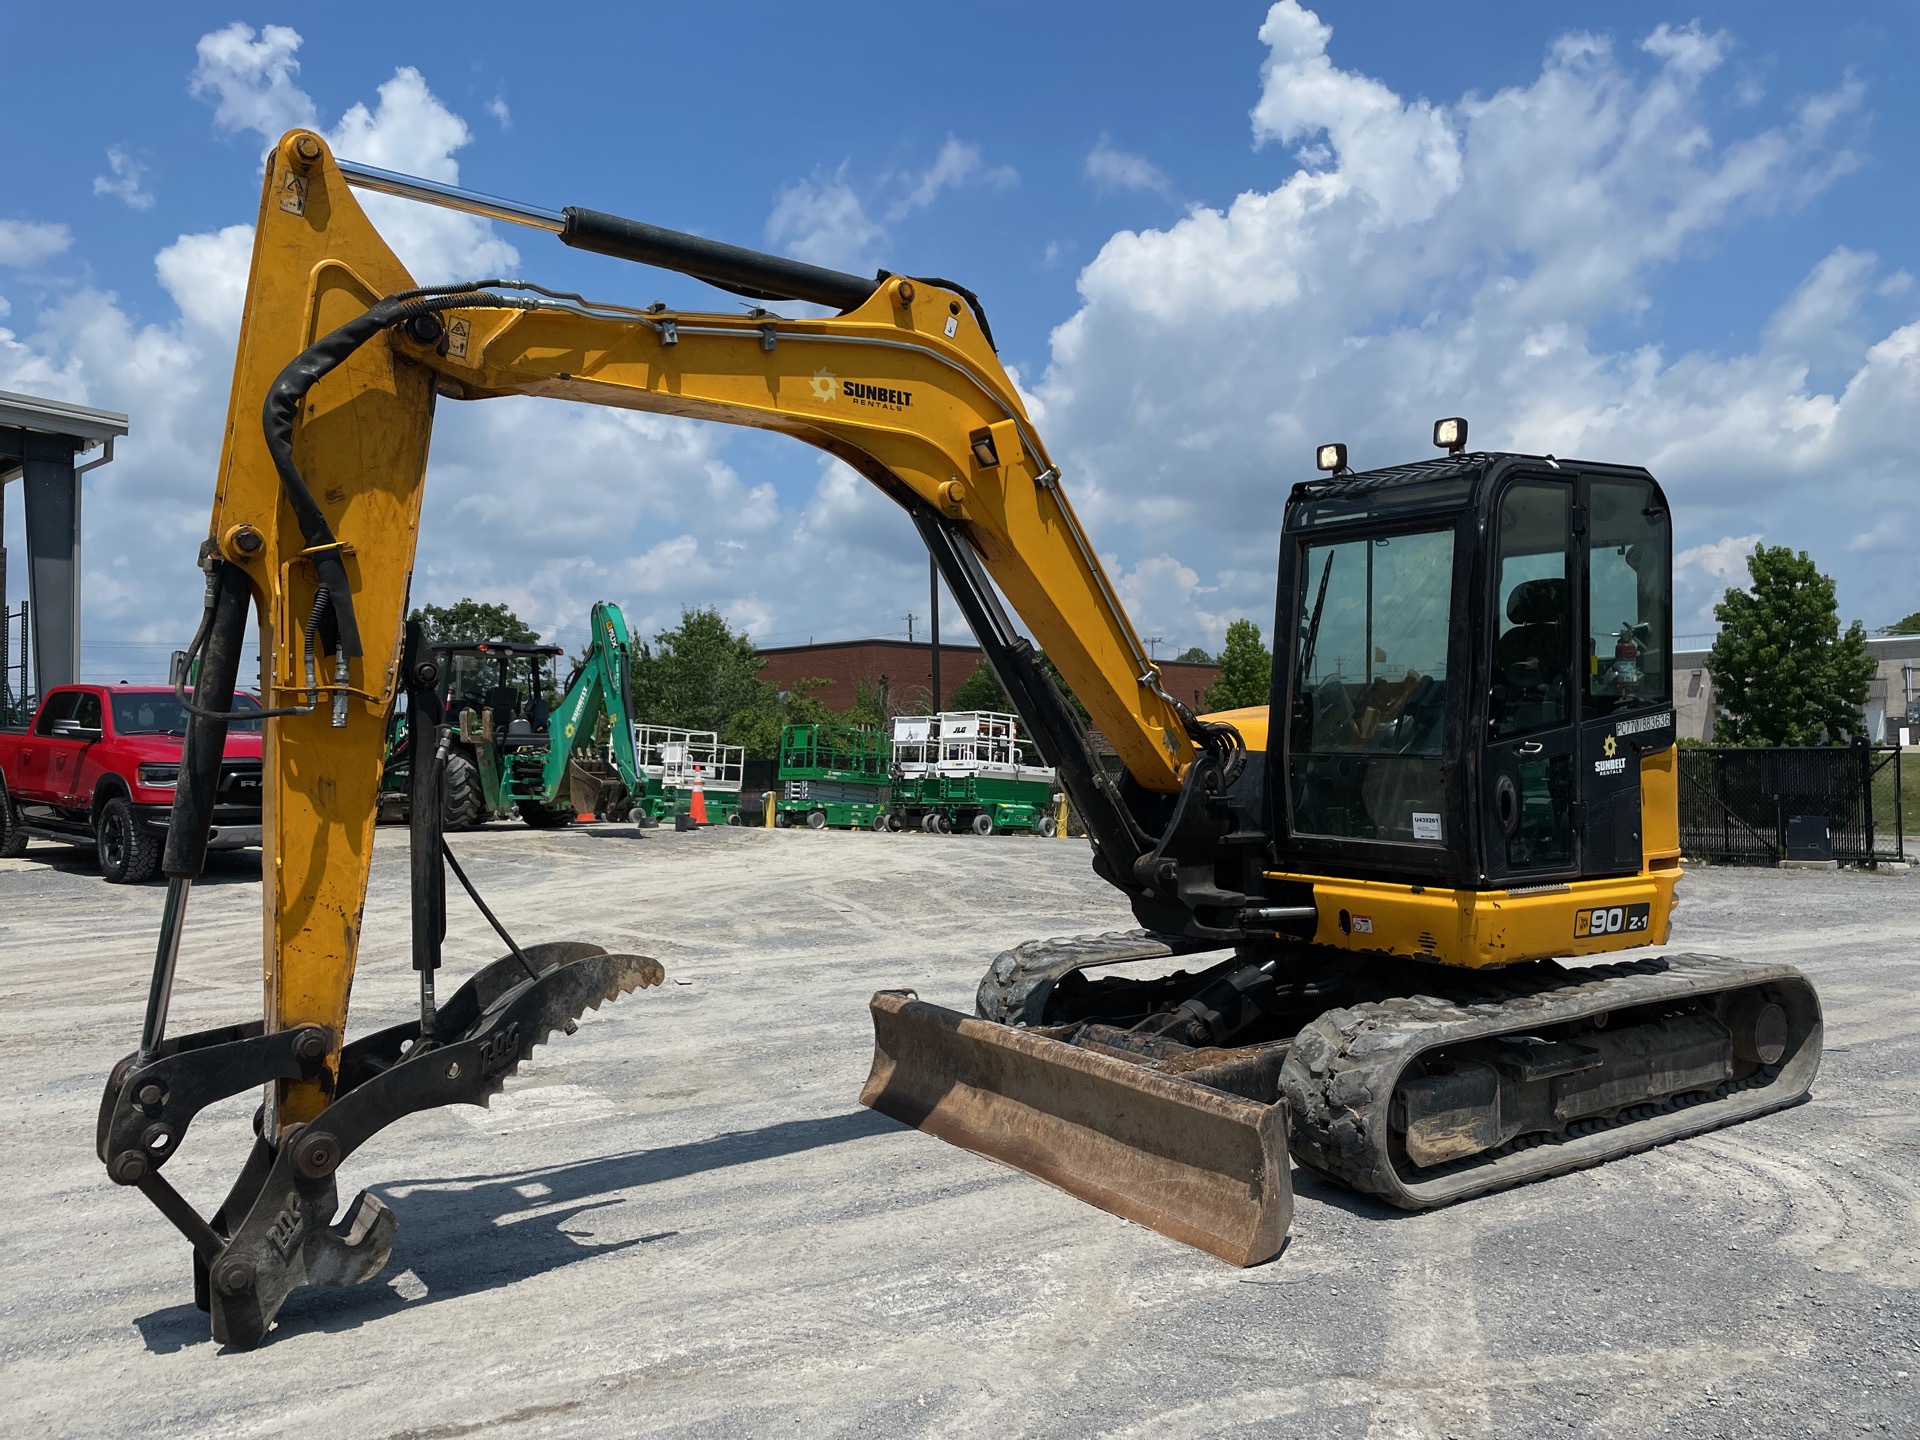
(206, 275)
(126, 180)
(825, 219)
(1394, 278)
(1112, 169)
(250, 80)
(22, 242)
(822, 221)
(411, 131)
(1722, 559)
(958, 163)
(497, 108)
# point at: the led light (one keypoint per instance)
(1330, 458)
(984, 455)
(1450, 434)
(159, 775)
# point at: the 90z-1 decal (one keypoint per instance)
(1610, 920)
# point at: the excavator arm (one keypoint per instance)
(341, 361)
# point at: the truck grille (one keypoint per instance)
(240, 783)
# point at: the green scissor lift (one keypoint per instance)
(967, 770)
(671, 761)
(833, 776)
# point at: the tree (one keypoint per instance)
(1246, 670)
(1194, 655)
(1783, 674)
(1908, 626)
(701, 676)
(982, 691)
(468, 622)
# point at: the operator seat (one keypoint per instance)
(504, 702)
(1532, 658)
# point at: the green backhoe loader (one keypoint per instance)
(513, 747)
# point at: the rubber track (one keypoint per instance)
(1015, 988)
(1341, 1071)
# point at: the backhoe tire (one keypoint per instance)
(462, 802)
(13, 835)
(540, 817)
(129, 852)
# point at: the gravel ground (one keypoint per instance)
(678, 1220)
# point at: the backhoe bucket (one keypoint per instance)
(1201, 1166)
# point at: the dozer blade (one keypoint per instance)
(1203, 1167)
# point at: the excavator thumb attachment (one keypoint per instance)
(276, 1232)
(1197, 1164)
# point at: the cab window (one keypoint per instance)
(1533, 620)
(58, 707)
(1628, 562)
(1370, 686)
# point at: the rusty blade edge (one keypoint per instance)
(1238, 1205)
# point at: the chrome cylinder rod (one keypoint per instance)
(166, 960)
(451, 197)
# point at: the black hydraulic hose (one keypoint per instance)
(194, 793)
(289, 390)
(492, 919)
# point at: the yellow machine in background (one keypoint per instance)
(1454, 786)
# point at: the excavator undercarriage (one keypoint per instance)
(1414, 1083)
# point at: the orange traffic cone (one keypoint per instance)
(697, 807)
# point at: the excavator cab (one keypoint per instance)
(1476, 688)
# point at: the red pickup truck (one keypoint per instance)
(97, 767)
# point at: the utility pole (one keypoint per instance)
(909, 627)
(1153, 640)
(933, 588)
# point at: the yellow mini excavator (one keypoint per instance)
(1467, 770)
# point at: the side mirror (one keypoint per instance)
(74, 730)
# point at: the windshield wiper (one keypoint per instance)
(1313, 626)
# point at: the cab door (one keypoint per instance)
(66, 750)
(1626, 700)
(29, 780)
(1530, 778)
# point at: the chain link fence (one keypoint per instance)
(1758, 806)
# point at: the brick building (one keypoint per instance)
(907, 670)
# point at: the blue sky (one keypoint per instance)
(1673, 236)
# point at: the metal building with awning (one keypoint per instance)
(41, 443)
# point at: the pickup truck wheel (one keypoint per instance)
(13, 836)
(129, 853)
(461, 800)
